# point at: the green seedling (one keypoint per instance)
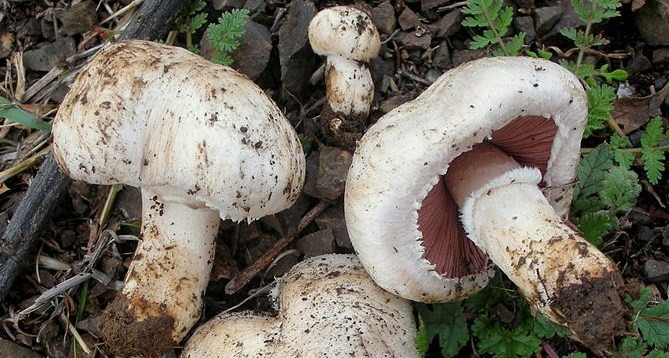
(496, 20)
(16, 114)
(224, 35)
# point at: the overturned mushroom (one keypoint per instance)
(349, 39)
(328, 306)
(499, 140)
(202, 142)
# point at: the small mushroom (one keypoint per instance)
(349, 39)
(328, 306)
(202, 142)
(498, 141)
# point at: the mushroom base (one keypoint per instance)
(162, 296)
(560, 273)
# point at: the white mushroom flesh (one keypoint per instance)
(407, 152)
(349, 39)
(327, 307)
(202, 141)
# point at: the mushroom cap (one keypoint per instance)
(344, 31)
(401, 158)
(161, 117)
(328, 307)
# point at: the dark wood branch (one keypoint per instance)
(153, 20)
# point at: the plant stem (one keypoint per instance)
(491, 26)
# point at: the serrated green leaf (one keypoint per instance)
(590, 174)
(224, 35)
(545, 328)
(600, 105)
(594, 225)
(621, 157)
(576, 355)
(570, 33)
(653, 164)
(446, 321)
(653, 134)
(653, 324)
(621, 189)
(500, 342)
(422, 341)
(16, 114)
(650, 319)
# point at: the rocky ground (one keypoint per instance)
(44, 43)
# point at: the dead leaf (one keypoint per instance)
(632, 113)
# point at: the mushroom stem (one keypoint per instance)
(506, 214)
(167, 278)
(349, 87)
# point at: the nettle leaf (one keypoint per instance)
(447, 321)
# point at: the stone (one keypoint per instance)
(431, 4)
(660, 55)
(317, 243)
(545, 18)
(525, 24)
(11, 349)
(447, 25)
(652, 21)
(311, 175)
(333, 164)
(383, 17)
(333, 218)
(408, 19)
(441, 57)
(656, 270)
(412, 41)
(252, 55)
(76, 19)
(51, 55)
(295, 56)
(638, 64)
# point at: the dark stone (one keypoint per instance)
(656, 270)
(383, 17)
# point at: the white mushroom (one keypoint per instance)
(328, 306)
(499, 139)
(202, 142)
(349, 39)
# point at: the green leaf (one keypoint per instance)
(621, 157)
(500, 342)
(16, 114)
(224, 35)
(621, 189)
(590, 174)
(595, 225)
(446, 321)
(545, 328)
(651, 320)
(422, 341)
(653, 157)
(600, 105)
(576, 355)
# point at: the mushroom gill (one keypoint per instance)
(528, 141)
